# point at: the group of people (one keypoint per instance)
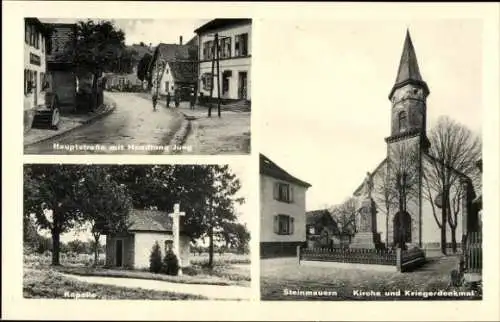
(177, 99)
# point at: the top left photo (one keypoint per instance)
(137, 86)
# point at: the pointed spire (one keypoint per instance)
(408, 66)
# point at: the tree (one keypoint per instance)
(345, 217)
(104, 203)
(453, 154)
(98, 48)
(50, 195)
(403, 182)
(77, 246)
(384, 194)
(236, 235)
(142, 67)
(155, 262)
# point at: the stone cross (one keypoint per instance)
(175, 230)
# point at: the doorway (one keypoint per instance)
(402, 228)
(242, 85)
(119, 253)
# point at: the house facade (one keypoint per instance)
(132, 249)
(174, 68)
(282, 210)
(35, 66)
(63, 77)
(235, 43)
(321, 229)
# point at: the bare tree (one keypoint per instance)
(384, 194)
(345, 217)
(453, 154)
(402, 182)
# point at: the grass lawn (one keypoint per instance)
(48, 283)
(281, 274)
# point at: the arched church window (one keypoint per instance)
(403, 121)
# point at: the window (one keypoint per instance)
(241, 45)
(283, 225)
(402, 121)
(166, 86)
(283, 192)
(208, 50)
(43, 44)
(169, 245)
(27, 79)
(37, 40)
(42, 80)
(206, 81)
(225, 47)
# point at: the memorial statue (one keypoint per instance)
(368, 186)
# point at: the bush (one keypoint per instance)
(170, 264)
(155, 263)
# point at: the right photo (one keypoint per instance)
(371, 170)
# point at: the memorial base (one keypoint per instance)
(365, 240)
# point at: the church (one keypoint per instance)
(415, 214)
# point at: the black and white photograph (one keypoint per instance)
(137, 86)
(381, 198)
(136, 232)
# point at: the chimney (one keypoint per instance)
(180, 40)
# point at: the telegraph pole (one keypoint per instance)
(218, 73)
(211, 83)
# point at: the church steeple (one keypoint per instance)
(408, 96)
(408, 72)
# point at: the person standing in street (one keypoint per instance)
(168, 99)
(155, 101)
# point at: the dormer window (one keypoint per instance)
(403, 121)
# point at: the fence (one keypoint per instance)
(473, 253)
(402, 260)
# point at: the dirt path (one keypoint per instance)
(210, 291)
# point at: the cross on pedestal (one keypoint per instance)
(175, 230)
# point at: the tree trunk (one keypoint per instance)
(96, 249)
(56, 244)
(95, 96)
(387, 228)
(444, 219)
(211, 248)
(454, 239)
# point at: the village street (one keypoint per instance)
(132, 123)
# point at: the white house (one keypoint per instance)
(282, 210)
(35, 40)
(133, 248)
(235, 43)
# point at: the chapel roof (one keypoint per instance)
(313, 216)
(269, 168)
(408, 71)
(150, 220)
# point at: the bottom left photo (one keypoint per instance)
(164, 232)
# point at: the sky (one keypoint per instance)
(151, 31)
(325, 117)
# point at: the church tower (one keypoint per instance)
(408, 96)
(407, 140)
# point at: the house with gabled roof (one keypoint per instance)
(173, 67)
(282, 210)
(131, 249)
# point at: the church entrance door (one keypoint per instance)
(402, 228)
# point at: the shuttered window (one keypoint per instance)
(283, 225)
(283, 192)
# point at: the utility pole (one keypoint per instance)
(211, 83)
(218, 73)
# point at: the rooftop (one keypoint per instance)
(269, 168)
(220, 23)
(150, 220)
